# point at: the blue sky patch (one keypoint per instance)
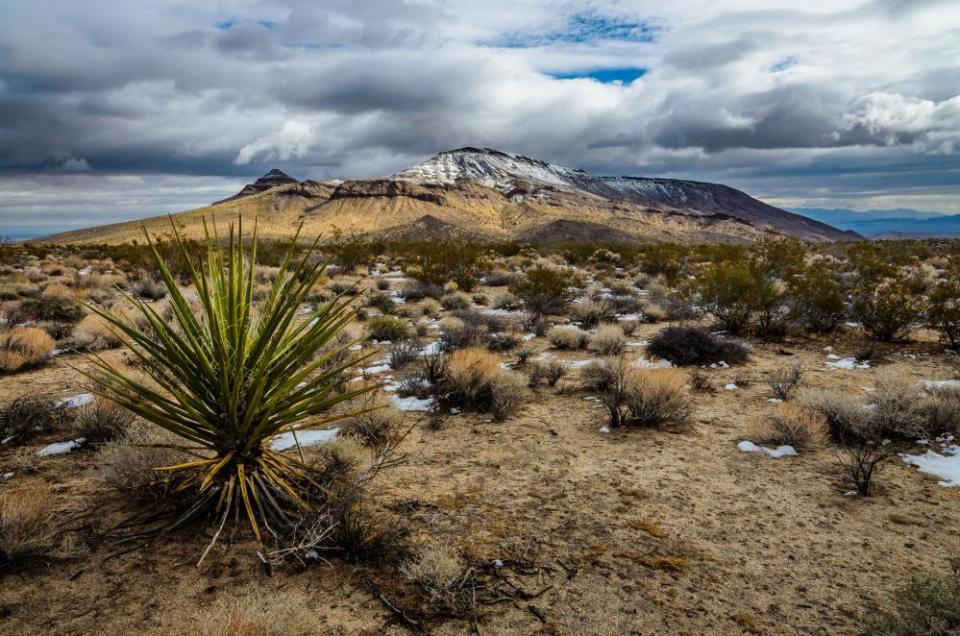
(605, 75)
(580, 28)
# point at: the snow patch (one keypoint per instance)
(945, 466)
(286, 441)
(780, 451)
(61, 448)
(76, 400)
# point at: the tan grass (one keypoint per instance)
(24, 347)
(793, 425)
(471, 371)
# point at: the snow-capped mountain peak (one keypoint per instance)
(489, 167)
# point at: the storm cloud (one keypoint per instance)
(112, 110)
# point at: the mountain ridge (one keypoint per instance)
(489, 194)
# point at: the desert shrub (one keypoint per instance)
(499, 278)
(27, 528)
(23, 348)
(608, 340)
(550, 370)
(455, 300)
(95, 333)
(437, 263)
(458, 334)
(504, 341)
(900, 409)
(645, 397)
(943, 312)
(816, 297)
(443, 576)
(55, 304)
(149, 288)
(475, 380)
(729, 291)
(783, 382)
(257, 614)
(381, 301)
(387, 328)
(793, 425)
(402, 353)
(592, 312)
(568, 337)
(470, 372)
(544, 290)
(416, 290)
(508, 391)
(887, 309)
(376, 423)
(846, 417)
(383, 284)
(102, 420)
(129, 461)
(695, 345)
(31, 414)
(430, 307)
(653, 312)
(657, 397)
(507, 301)
(925, 606)
(700, 381)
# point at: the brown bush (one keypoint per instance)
(470, 372)
(27, 526)
(793, 425)
(23, 348)
(95, 333)
(609, 340)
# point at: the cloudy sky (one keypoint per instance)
(113, 110)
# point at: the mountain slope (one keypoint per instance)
(481, 193)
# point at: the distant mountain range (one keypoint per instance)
(888, 224)
(486, 194)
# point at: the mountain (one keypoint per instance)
(270, 180)
(486, 194)
(902, 223)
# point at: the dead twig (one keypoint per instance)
(398, 612)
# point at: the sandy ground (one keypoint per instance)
(632, 532)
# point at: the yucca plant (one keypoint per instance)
(233, 376)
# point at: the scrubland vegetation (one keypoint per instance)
(568, 439)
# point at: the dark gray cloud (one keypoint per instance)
(851, 101)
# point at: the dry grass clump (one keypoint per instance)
(568, 337)
(24, 347)
(56, 303)
(658, 397)
(470, 373)
(793, 425)
(653, 312)
(95, 333)
(550, 370)
(643, 397)
(608, 340)
(129, 460)
(27, 527)
(456, 300)
(258, 614)
(442, 574)
(475, 380)
(29, 415)
(844, 414)
(102, 420)
(376, 422)
(591, 313)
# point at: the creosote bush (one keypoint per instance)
(387, 328)
(545, 290)
(684, 345)
(549, 370)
